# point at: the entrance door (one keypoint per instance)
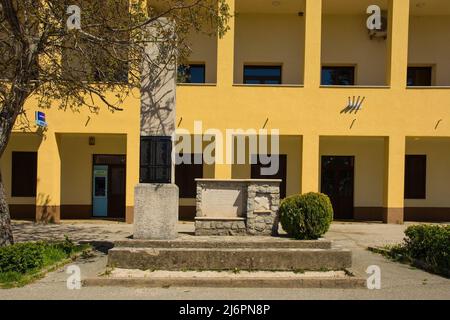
(100, 191)
(116, 191)
(109, 186)
(338, 183)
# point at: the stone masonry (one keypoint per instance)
(220, 227)
(252, 207)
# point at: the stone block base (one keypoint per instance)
(237, 207)
(267, 259)
(155, 211)
(220, 226)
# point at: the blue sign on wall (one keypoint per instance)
(40, 119)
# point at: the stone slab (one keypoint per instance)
(142, 279)
(223, 201)
(229, 259)
(155, 211)
(228, 242)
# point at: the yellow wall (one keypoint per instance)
(345, 41)
(310, 111)
(52, 172)
(76, 164)
(431, 32)
(276, 39)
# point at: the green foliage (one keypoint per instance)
(426, 247)
(21, 257)
(307, 216)
(67, 246)
(429, 244)
(24, 259)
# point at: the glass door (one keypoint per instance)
(100, 191)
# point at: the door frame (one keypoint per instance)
(106, 189)
(353, 175)
(93, 164)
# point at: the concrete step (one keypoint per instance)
(243, 279)
(270, 259)
(226, 242)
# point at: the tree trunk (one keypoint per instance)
(6, 235)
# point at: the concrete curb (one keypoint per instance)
(222, 282)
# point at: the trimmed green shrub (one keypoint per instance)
(429, 244)
(307, 216)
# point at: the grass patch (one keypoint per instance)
(425, 247)
(23, 263)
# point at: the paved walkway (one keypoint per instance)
(398, 281)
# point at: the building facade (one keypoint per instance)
(363, 116)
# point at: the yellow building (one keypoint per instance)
(363, 116)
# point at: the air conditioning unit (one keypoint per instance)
(383, 31)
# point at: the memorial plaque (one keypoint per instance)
(223, 202)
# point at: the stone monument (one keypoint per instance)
(237, 207)
(156, 195)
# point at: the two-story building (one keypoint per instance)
(363, 116)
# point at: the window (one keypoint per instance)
(415, 176)
(24, 174)
(156, 160)
(193, 73)
(281, 174)
(338, 76)
(185, 175)
(419, 76)
(100, 187)
(262, 74)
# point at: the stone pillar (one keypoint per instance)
(156, 203)
(158, 98)
(263, 203)
(48, 192)
(156, 211)
(394, 179)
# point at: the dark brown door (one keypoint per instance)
(116, 191)
(185, 175)
(338, 183)
(281, 174)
